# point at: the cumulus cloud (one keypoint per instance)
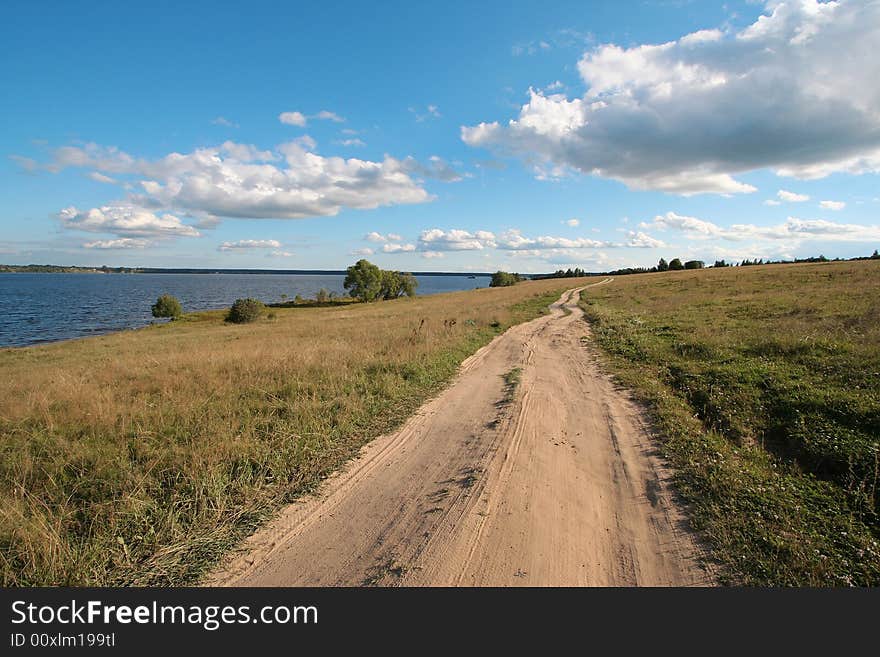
(640, 240)
(514, 240)
(373, 236)
(793, 228)
(240, 180)
(359, 143)
(365, 251)
(791, 197)
(249, 245)
(772, 201)
(436, 239)
(398, 248)
(574, 223)
(795, 92)
(121, 243)
(293, 118)
(832, 205)
(125, 221)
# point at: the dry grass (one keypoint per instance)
(139, 458)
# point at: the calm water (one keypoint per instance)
(46, 307)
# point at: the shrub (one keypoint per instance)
(167, 306)
(245, 310)
(323, 295)
(504, 279)
(694, 264)
(675, 264)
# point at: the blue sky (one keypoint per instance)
(458, 136)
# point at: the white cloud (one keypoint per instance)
(121, 243)
(833, 205)
(793, 229)
(351, 142)
(772, 201)
(325, 115)
(101, 178)
(366, 251)
(640, 240)
(293, 118)
(280, 254)
(794, 92)
(791, 197)
(249, 245)
(125, 221)
(394, 237)
(398, 248)
(240, 180)
(574, 223)
(513, 240)
(436, 239)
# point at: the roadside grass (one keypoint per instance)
(139, 458)
(764, 385)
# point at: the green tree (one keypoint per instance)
(675, 265)
(245, 310)
(167, 306)
(504, 279)
(694, 264)
(662, 265)
(363, 280)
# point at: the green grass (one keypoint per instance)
(140, 458)
(764, 383)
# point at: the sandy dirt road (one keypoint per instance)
(555, 482)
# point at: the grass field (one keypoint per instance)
(764, 383)
(140, 457)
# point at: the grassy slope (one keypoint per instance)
(765, 384)
(139, 458)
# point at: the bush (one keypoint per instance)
(675, 265)
(167, 306)
(245, 310)
(504, 279)
(323, 295)
(694, 264)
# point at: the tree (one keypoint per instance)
(363, 280)
(721, 263)
(167, 306)
(694, 264)
(504, 279)
(323, 295)
(662, 265)
(875, 255)
(675, 265)
(245, 310)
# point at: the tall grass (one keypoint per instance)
(139, 458)
(765, 383)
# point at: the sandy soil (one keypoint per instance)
(555, 482)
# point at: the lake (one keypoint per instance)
(37, 308)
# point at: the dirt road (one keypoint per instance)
(551, 481)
